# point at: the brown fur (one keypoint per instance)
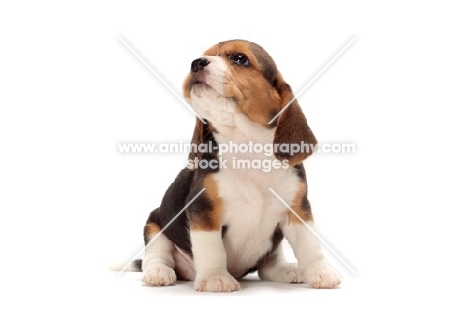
(260, 92)
(151, 229)
(211, 219)
(201, 134)
(297, 206)
(292, 127)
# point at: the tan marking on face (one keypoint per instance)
(258, 91)
(254, 95)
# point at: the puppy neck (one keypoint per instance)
(241, 129)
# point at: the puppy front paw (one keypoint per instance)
(159, 275)
(323, 277)
(217, 283)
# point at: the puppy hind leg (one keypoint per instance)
(275, 268)
(158, 263)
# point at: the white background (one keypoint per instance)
(70, 91)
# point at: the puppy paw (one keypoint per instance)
(218, 283)
(286, 272)
(323, 277)
(289, 274)
(159, 275)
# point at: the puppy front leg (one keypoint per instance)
(316, 270)
(209, 255)
(210, 262)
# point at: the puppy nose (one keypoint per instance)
(199, 64)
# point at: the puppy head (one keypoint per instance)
(241, 77)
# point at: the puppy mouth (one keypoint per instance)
(197, 79)
(200, 83)
(200, 78)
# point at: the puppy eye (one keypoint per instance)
(239, 59)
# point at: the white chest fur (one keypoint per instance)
(251, 212)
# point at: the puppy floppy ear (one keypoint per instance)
(202, 134)
(291, 128)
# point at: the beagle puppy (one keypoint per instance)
(234, 223)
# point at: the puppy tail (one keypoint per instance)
(135, 266)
